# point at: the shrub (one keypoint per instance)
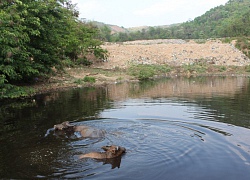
(227, 40)
(84, 61)
(143, 71)
(200, 41)
(247, 68)
(78, 81)
(196, 67)
(89, 79)
(12, 91)
(243, 44)
(67, 63)
(222, 68)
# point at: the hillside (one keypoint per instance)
(146, 28)
(229, 20)
(117, 29)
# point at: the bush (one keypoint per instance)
(67, 63)
(247, 68)
(78, 81)
(89, 79)
(227, 40)
(222, 68)
(143, 72)
(200, 41)
(196, 67)
(11, 91)
(83, 61)
(243, 44)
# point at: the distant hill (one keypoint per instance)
(113, 28)
(229, 20)
(117, 29)
(140, 28)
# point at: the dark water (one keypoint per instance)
(196, 128)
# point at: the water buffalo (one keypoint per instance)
(110, 152)
(85, 131)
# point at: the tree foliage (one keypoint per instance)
(36, 35)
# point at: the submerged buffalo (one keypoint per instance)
(109, 152)
(85, 131)
(112, 155)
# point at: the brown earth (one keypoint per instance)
(173, 52)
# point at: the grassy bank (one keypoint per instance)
(85, 76)
(143, 72)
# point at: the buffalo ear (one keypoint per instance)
(106, 148)
(66, 124)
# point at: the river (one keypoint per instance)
(172, 128)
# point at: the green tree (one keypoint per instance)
(105, 33)
(36, 35)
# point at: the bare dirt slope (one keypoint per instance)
(173, 52)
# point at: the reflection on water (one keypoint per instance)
(196, 128)
(181, 87)
(114, 162)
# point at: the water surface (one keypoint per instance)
(196, 128)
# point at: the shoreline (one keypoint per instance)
(149, 59)
(67, 81)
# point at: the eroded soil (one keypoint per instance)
(174, 52)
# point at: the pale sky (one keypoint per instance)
(132, 13)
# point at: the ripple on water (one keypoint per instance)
(159, 148)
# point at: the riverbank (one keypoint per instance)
(76, 77)
(147, 59)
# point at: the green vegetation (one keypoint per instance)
(195, 68)
(243, 44)
(86, 79)
(143, 72)
(230, 20)
(222, 68)
(89, 79)
(200, 66)
(10, 91)
(39, 36)
(78, 81)
(247, 68)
